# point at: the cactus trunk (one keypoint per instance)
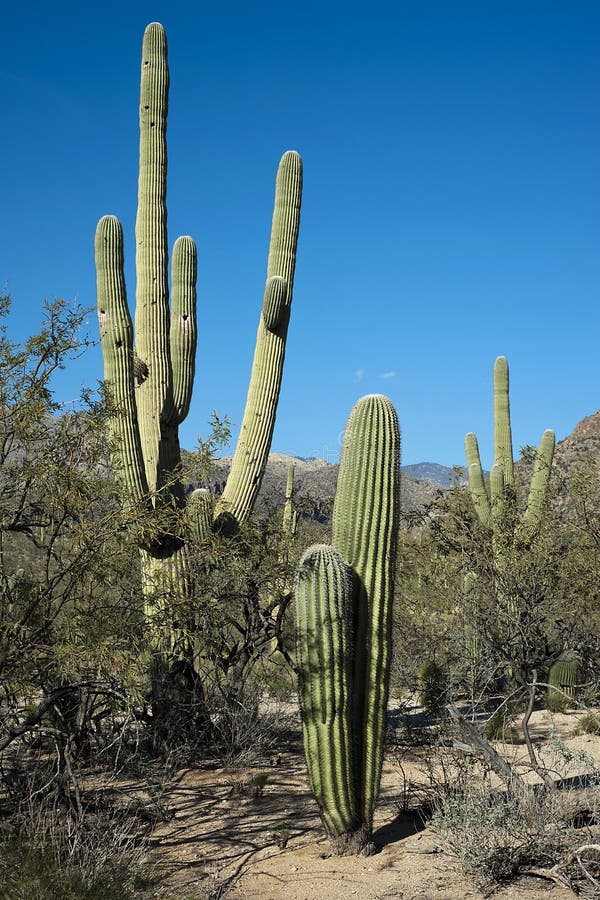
(365, 528)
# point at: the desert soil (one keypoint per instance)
(221, 842)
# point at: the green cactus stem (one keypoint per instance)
(492, 505)
(200, 514)
(324, 640)
(149, 409)
(254, 441)
(471, 625)
(365, 527)
(290, 517)
(562, 681)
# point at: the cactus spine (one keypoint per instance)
(365, 527)
(151, 385)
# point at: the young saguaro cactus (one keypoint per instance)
(151, 384)
(290, 515)
(324, 645)
(365, 529)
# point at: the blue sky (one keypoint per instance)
(451, 199)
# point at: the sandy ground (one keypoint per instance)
(222, 842)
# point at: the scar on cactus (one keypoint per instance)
(344, 596)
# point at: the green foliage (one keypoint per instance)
(493, 837)
(499, 726)
(588, 724)
(434, 684)
(69, 604)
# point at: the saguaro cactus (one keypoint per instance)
(324, 629)
(151, 384)
(290, 515)
(356, 663)
(491, 506)
(562, 681)
(495, 503)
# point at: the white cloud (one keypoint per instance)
(359, 374)
(386, 375)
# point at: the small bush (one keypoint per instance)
(433, 681)
(250, 788)
(556, 702)
(242, 734)
(588, 724)
(493, 836)
(52, 856)
(500, 724)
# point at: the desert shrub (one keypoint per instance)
(498, 834)
(588, 724)
(494, 837)
(49, 854)
(499, 726)
(242, 732)
(433, 682)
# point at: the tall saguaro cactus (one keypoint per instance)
(151, 384)
(344, 634)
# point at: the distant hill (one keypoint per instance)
(316, 479)
(315, 482)
(443, 476)
(581, 444)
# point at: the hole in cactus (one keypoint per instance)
(185, 317)
(146, 63)
(119, 343)
(102, 312)
(151, 124)
(146, 107)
